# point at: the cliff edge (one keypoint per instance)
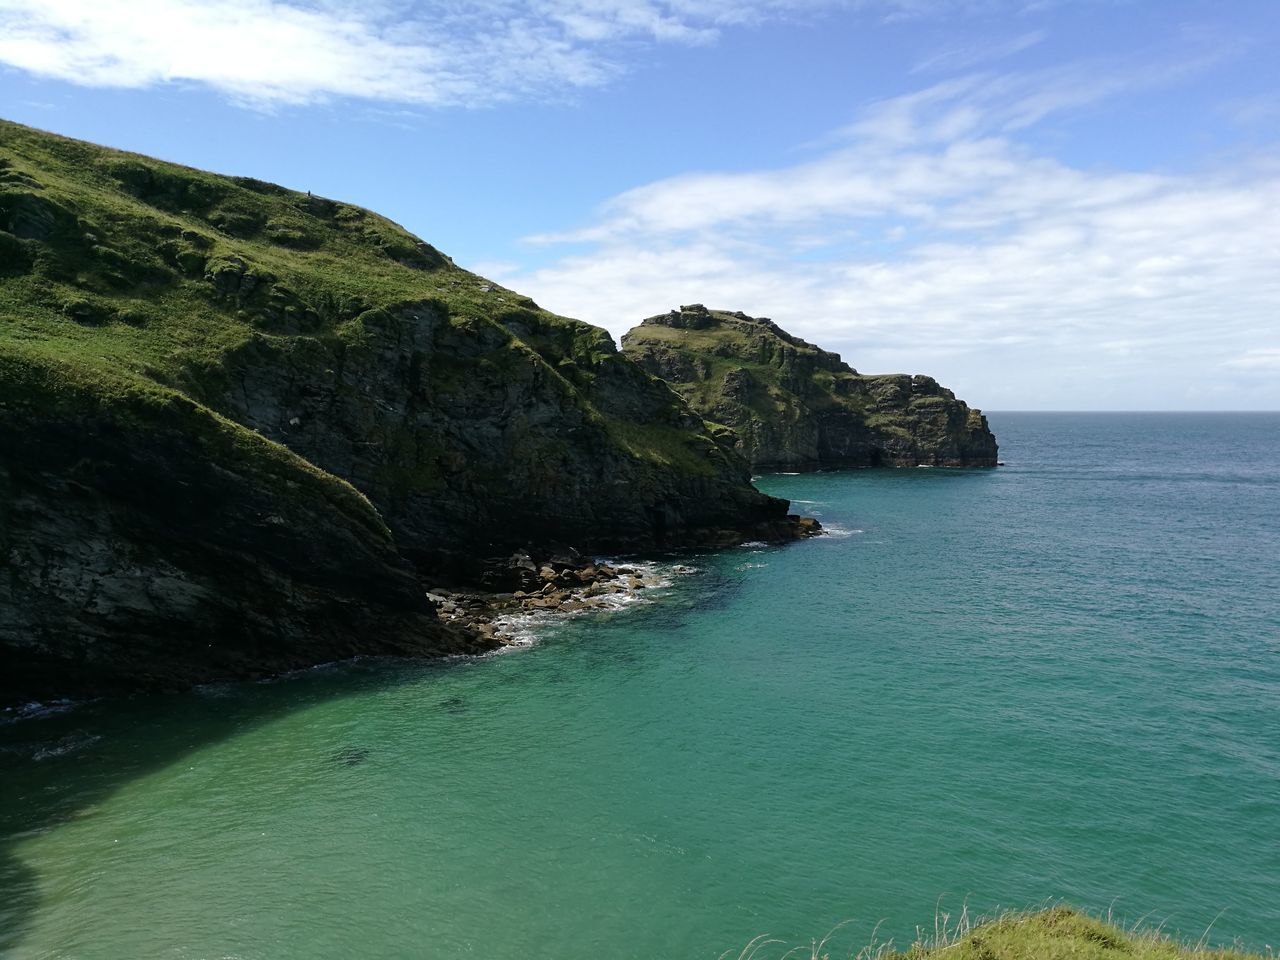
(793, 406)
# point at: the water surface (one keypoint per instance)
(1058, 679)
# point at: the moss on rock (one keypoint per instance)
(795, 406)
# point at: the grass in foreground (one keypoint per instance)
(1056, 933)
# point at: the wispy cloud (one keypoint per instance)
(972, 54)
(268, 51)
(422, 52)
(1261, 112)
(943, 155)
(1260, 360)
(952, 246)
(264, 52)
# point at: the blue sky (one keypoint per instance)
(1047, 205)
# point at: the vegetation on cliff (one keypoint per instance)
(791, 405)
(279, 372)
(1056, 933)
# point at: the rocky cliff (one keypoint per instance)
(792, 406)
(147, 544)
(236, 422)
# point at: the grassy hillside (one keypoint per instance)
(126, 282)
(126, 271)
(1057, 933)
(726, 345)
(457, 406)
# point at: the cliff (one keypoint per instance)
(146, 543)
(793, 406)
(237, 422)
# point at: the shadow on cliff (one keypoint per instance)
(59, 764)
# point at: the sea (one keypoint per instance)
(1056, 681)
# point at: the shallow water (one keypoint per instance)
(1058, 679)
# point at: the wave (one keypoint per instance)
(72, 743)
(36, 709)
(524, 628)
(831, 530)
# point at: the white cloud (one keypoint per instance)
(265, 52)
(954, 249)
(428, 52)
(1260, 360)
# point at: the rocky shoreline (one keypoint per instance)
(560, 580)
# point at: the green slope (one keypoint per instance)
(1056, 933)
(122, 270)
(792, 405)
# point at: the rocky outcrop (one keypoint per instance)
(472, 442)
(240, 425)
(793, 406)
(142, 548)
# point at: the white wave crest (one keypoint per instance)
(68, 744)
(524, 628)
(831, 530)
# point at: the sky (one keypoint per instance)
(1046, 204)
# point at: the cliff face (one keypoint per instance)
(148, 545)
(477, 439)
(794, 406)
(237, 421)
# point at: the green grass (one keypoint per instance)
(791, 381)
(38, 386)
(125, 275)
(688, 453)
(1055, 933)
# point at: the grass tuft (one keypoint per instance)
(1051, 933)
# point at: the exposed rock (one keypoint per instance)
(809, 525)
(267, 412)
(468, 442)
(573, 584)
(789, 405)
(129, 562)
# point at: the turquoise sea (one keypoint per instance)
(1059, 679)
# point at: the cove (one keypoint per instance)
(1058, 679)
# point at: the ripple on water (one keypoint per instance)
(1051, 680)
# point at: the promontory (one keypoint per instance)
(241, 425)
(788, 405)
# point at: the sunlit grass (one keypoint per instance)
(1053, 933)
